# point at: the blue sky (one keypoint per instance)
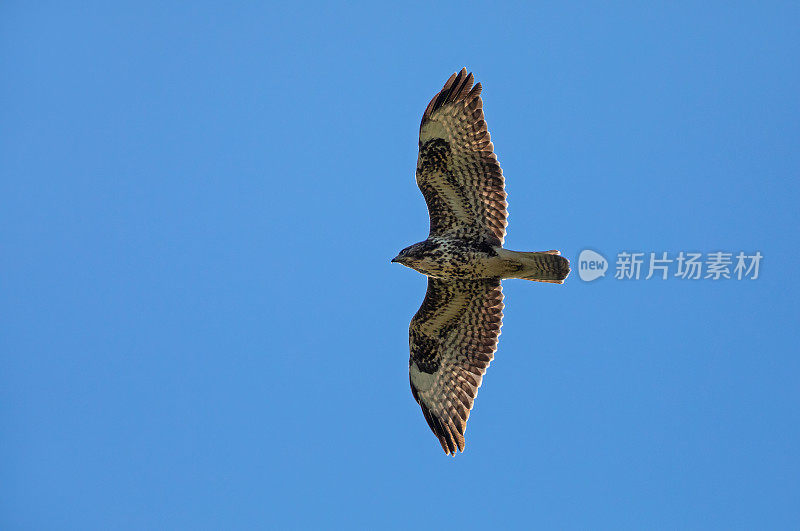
(202, 329)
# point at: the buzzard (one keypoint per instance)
(454, 334)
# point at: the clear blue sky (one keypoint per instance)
(201, 328)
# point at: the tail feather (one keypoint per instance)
(545, 266)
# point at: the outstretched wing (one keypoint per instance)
(457, 170)
(452, 339)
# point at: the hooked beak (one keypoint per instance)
(397, 259)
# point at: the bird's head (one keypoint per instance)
(405, 256)
(414, 254)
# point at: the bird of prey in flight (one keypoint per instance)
(454, 334)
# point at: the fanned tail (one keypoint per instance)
(545, 266)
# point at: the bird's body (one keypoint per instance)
(459, 259)
(453, 336)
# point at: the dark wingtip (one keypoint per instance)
(458, 87)
(450, 437)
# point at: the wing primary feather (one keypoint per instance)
(440, 433)
(448, 436)
(438, 100)
(456, 88)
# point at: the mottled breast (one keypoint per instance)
(457, 259)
